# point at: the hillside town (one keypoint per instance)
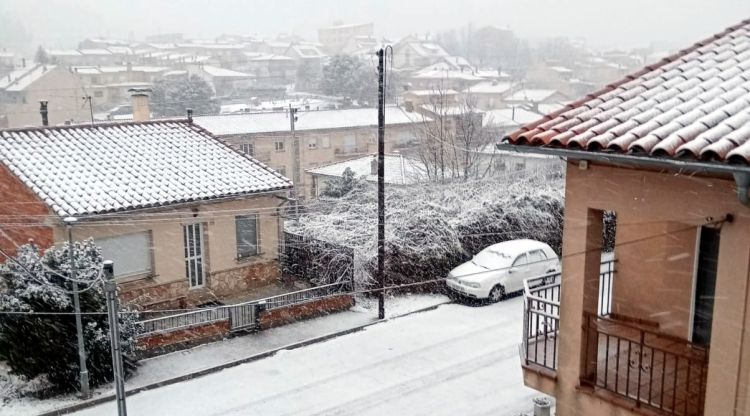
(354, 219)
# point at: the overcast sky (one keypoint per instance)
(602, 23)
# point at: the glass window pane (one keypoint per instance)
(247, 235)
(131, 253)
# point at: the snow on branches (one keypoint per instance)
(433, 227)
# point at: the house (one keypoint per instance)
(325, 137)
(666, 152)
(22, 89)
(336, 38)
(225, 82)
(185, 218)
(414, 52)
(490, 94)
(109, 85)
(399, 170)
(270, 69)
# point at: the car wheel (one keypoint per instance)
(497, 293)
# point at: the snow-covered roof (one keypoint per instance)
(399, 170)
(428, 93)
(535, 95)
(509, 117)
(272, 57)
(94, 70)
(490, 87)
(87, 170)
(223, 125)
(216, 71)
(94, 52)
(63, 52)
(446, 74)
(19, 79)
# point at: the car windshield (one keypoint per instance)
(491, 259)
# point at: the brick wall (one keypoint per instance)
(160, 343)
(17, 199)
(281, 316)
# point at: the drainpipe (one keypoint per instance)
(742, 180)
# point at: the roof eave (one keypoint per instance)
(629, 160)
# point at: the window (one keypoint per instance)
(350, 144)
(246, 228)
(537, 256)
(248, 149)
(98, 94)
(312, 143)
(520, 165)
(281, 170)
(131, 253)
(194, 264)
(279, 146)
(325, 142)
(520, 260)
(499, 165)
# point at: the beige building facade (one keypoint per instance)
(21, 91)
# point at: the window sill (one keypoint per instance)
(135, 278)
(249, 259)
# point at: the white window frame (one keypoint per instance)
(257, 236)
(248, 149)
(195, 280)
(325, 142)
(279, 146)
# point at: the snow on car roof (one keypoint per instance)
(516, 247)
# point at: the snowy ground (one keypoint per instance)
(172, 365)
(455, 360)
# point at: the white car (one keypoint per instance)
(501, 268)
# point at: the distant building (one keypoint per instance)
(22, 89)
(414, 52)
(335, 38)
(399, 170)
(108, 85)
(225, 82)
(324, 136)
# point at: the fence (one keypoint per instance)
(240, 316)
(541, 314)
(652, 369)
(316, 261)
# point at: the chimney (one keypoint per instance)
(374, 166)
(43, 112)
(190, 115)
(23, 62)
(139, 98)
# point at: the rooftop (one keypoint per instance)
(306, 120)
(534, 95)
(399, 170)
(19, 79)
(693, 105)
(490, 87)
(87, 170)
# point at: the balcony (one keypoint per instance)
(624, 361)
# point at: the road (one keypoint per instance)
(455, 360)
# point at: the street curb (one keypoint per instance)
(185, 377)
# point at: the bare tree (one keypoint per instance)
(453, 139)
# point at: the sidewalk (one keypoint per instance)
(221, 353)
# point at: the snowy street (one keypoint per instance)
(455, 360)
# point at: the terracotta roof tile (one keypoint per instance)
(694, 104)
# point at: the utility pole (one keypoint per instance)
(296, 166)
(110, 292)
(381, 183)
(84, 372)
(91, 107)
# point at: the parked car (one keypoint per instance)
(501, 268)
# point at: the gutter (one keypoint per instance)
(740, 173)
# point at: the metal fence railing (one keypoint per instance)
(541, 314)
(652, 369)
(241, 315)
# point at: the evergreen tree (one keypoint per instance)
(46, 345)
(341, 186)
(41, 56)
(172, 98)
